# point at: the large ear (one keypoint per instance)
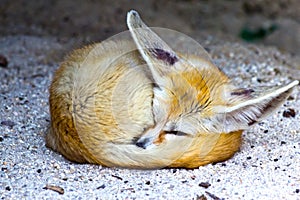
(159, 56)
(247, 111)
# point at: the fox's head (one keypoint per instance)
(192, 96)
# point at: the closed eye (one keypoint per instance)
(178, 133)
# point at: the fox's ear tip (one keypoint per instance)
(132, 12)
(295, 82)
(289, 87)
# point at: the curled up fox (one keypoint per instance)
(138, 103)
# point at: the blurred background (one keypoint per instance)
(263, 22)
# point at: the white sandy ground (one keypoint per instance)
(267, 166)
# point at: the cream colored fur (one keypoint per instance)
(141, 104)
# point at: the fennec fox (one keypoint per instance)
(141, 104)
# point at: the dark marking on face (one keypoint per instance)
(178, 133)
(164, 55)
(134, 140)
(242, 92)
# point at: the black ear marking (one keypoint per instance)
(164, 56)
(252, 122)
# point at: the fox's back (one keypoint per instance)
(100, 93)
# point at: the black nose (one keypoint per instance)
(142, 143)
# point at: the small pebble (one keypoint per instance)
(214, 197)
(3, 61)
(202, 197)
(205, 185)
(184, 181)
(8, 123)
(117, 177)
(55, 188)
(101, 187)
(289, 113)
(4, 169)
